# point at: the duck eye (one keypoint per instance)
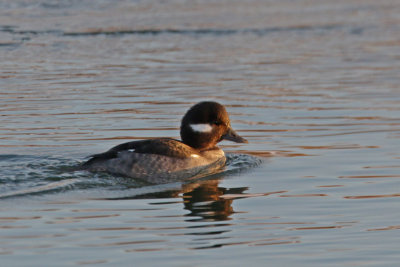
(217, 122)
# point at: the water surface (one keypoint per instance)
(313, 85)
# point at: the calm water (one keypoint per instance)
(313, 85)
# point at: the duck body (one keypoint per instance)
(165, 160)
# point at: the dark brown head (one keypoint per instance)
(206, 124)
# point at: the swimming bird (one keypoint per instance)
(163, 160)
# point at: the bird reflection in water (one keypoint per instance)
(206, 200)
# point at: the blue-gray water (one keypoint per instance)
(313, 85)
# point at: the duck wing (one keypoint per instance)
(163, 146)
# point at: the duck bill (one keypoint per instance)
(231, 135)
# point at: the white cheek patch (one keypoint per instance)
(201, 127)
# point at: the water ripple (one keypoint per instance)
(35, 175)
(202, 31)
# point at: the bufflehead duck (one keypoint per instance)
(164, 160)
